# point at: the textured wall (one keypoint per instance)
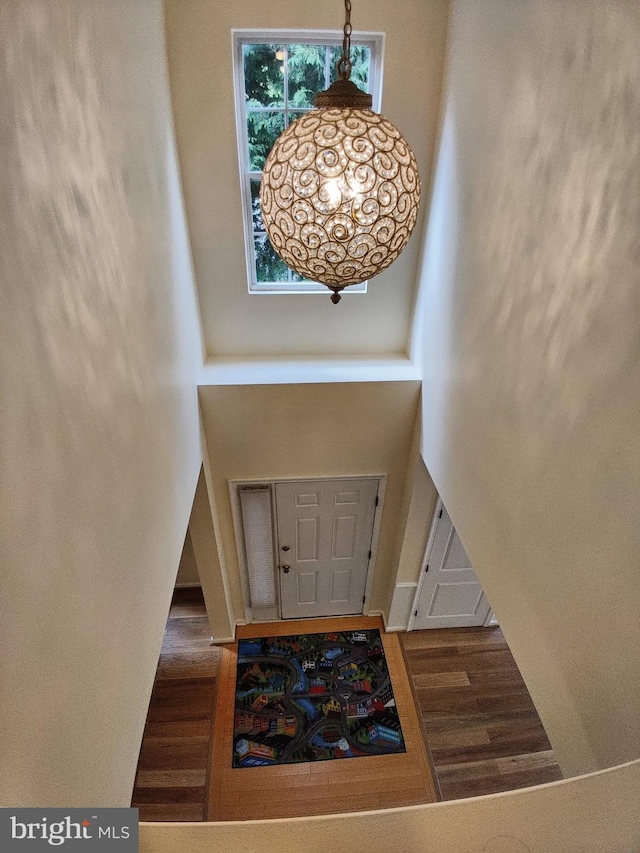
(530, 309)
(98, 422)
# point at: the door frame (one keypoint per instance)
(236, 515)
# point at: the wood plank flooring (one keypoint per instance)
(174, 758)
(482, 728)
(323, 787)
(481, 725)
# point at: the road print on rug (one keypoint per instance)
(313, 697)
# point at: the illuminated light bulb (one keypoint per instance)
(333, 192)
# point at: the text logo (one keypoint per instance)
(76, 829)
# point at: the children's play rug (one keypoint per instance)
(312, 697)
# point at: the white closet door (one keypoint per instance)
(451, 594)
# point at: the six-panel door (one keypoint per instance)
(324, 539)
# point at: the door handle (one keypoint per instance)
(285, 568)
(285, 547)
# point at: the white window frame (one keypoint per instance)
(375, 42)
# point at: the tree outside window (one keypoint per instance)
(280, 81)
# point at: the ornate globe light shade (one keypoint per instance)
(340, 188)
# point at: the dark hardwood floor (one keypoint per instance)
(174, 759)
(480, 723)
(481, 727)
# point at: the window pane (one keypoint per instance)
(263, 128)
(306, 71)
(269, 107)
(256, 216)
(269, 267)
(263, 75)
(360, 58)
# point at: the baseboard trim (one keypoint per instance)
(381, 614)
(389, 629)
(221, 641)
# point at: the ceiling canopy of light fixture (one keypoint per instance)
(340, 188)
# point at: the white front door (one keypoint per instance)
(324, 545)
(451, 595)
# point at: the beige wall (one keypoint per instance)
(532, 378)
(300, 431)
(419, 518)
(207, 556)
(414, 517)
(596, 813)
(188, 568)
(99, 420)
(200, 62)
(405, 503)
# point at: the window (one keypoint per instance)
(276, 76)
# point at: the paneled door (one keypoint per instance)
(451, 595)
(324, 545)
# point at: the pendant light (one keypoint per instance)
(340, 188)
